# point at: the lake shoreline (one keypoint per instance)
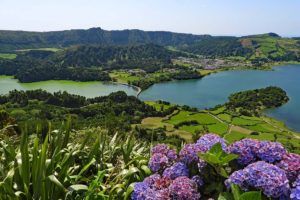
(215, 89)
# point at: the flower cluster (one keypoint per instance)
(251, 150)
(207, 141)
(290, 163)
(264, 176)
(157, 187)
(267, 166)
(161, 158)
(172, 178)
(189, 153)
(271, 151)
(176, 170)
(164, 149)
(184, 188)
(295, 192)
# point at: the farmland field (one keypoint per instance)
(7, 56)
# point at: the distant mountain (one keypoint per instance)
(13, 40)
(264, 47)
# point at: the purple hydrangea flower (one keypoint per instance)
(188, 154)
(164, 149)
(246, 149)
(198, 180)
(176, 170)
(184, 188)
(264, 176)
(150, 180)
(163, 194)
(153, 187)
(295, 192)
(158, 162)
(162, 183)
(140, 191)
(237, 178)
(208, 140)
(271, 151)
(290, 163)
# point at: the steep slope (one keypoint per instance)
(13, 40)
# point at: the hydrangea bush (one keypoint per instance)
(200, 170)
(295, 193)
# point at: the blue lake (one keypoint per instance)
(215, 89)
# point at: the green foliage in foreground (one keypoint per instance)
(57, 166)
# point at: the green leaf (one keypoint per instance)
(146, 169)
(229, 157)
(251, 196)
(210, 158)
(54, 180)
(216, 149)
(223, 172)
(235, 191)
(85, 168)
(225, 196)
(129, 191)
(78, 187)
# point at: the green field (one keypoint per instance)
(42, 49)
(123, 77)
(8, 56)
(221, 122)
(200, 117)
(158, 106)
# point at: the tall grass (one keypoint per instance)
(88, 164)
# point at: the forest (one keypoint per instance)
(254, 101)
(86, 63)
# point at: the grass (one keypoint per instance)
(205, 72)
(201, 118)
(191, 129)
(9, 56)
(263, 136)
(234, 136)
(156, 122)
(225, 117)
(263, 128)
(243, 122)
(187, 136)
(218, 128)
(218, 110)
(123, 77)
(180, 117)
(232, 128)
(42, 49)
(158, 106)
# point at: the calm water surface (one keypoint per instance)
(203, 93)
(88, 89)
(215, 89)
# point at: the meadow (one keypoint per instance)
(9, 56)
(189, 124)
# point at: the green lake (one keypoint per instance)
(88, 89)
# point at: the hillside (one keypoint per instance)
(86, 63)
(257, 48)
(13, 40)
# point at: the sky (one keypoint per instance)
(215, 17)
